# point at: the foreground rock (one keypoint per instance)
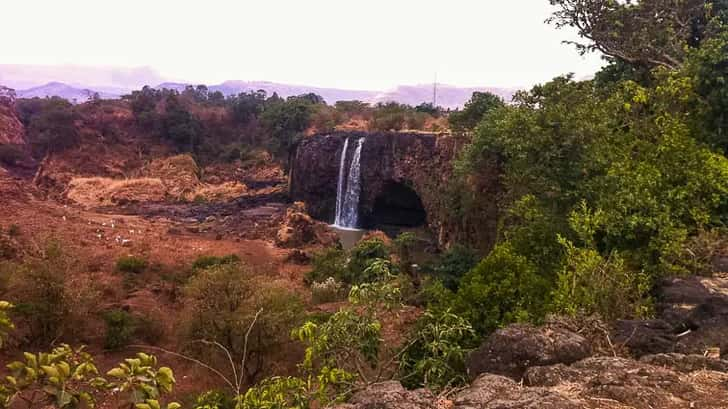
(512, 350)
(592, 383)
(391, 395)
(611, 382)
(692, 317)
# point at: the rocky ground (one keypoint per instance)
(171, 234)
(671, 362)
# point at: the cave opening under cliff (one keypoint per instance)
(397, 205)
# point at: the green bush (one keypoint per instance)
(203, 262)
(404, 245)
(213, 399)
(452, 266)
(120, 328)
(131, 264)
(361, 256)
(331, 262)
(503, 288)
(435, 359)
(592, 284)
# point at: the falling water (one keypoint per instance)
(340, 186)
(347, 200)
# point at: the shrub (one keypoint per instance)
(361, 256)
(223, 301)
(203, 262)
(39, 288)
(452, 266)
(404, 245)
(589, 283)
(503, 288)
(329, 290)
(131, 264)
(120, 328)
(435, 359)
(696, 254)
(331, 262)
(213, 399)
(53, 303)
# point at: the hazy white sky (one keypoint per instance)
(373, 44)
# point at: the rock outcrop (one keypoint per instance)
(403, 177)
(512, 350)
(391, 395)
(12, 131)
(692, 317)
(299, 229)
(592, 383)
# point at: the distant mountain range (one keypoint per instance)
(79, 84)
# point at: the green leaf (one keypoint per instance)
(117, 373)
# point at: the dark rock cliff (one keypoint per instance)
(405, 179)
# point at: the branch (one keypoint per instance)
(197, 361)
(245, 346)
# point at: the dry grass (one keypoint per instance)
(98, 191)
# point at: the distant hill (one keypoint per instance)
(59, 89)
(23, 76)
(80, 82)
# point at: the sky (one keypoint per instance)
(373, 44)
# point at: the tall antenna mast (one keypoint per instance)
(434, 92)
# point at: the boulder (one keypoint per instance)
(300, 229)
(686, 363)
(511, 350)
(592, 383)
(611, 382)
(643, 337)
(391, 395)
(495, 392)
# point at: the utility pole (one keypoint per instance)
(434, 92)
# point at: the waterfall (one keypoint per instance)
(340, 185)
(347, 199)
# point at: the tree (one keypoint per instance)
(285, 121)
(144, 104)
(247, 106)
(180, 126)
(436, 353)
(652, 32)
(223, 301)
(50, 124)
(390, 116)
(474, 111)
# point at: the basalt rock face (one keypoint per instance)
(404, 181)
